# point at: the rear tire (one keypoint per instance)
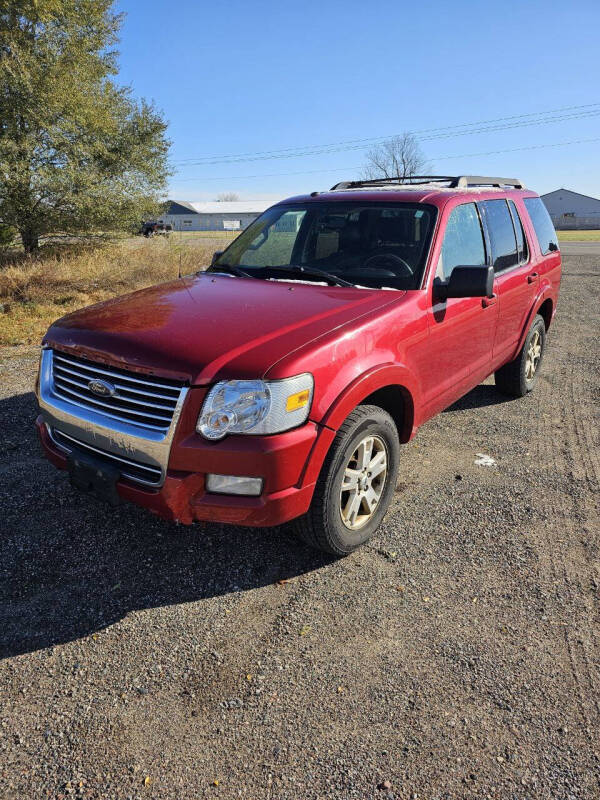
(355, 485)
(518, 377)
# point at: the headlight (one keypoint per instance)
(257, 407)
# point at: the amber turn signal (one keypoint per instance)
(298, 400)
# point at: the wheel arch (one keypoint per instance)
(391, 387)
(544, 306)
(545, 311)
(398, 403)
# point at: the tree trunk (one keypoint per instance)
(30, 241)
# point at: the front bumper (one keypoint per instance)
(288, 462)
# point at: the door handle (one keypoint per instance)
(489, 301)
(532, 277)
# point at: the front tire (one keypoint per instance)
(518, 377)
(355, 485)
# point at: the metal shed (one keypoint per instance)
(572, 210)
(213, 216)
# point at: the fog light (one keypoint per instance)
(233, 484)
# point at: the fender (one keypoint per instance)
(545, 293)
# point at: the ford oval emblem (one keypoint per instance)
(101, 388)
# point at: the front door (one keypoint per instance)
(461, 328)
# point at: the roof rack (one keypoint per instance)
(452, 182)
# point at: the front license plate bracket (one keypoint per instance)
(93, 476)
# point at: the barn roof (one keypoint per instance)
(226, 206)
(570, 191)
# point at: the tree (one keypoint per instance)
(7, 237)
(398, 157)
(77, 153)
(227, 196)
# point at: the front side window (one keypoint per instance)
(373, 245)
(502, 235)
(463, 241)
(542, 224)
(274, 244)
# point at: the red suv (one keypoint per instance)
(278, 384)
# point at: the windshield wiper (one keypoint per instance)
(318, 273)
(230, 269)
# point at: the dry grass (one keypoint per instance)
(578, 236)
(34, 292)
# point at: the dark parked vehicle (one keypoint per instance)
(155, 228)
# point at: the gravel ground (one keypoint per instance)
(455, 656)
(580, 248)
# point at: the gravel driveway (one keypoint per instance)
(456, 656)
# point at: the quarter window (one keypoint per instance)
(502, 235)
(463, 241)
(520, 233)
(542, 224)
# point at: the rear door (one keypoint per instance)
(548, 263)
(516, 280)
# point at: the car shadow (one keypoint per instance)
(482, 395)
(70, 566)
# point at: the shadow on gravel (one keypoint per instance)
(480, 396)
(70, 566)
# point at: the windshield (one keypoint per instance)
(373, 245)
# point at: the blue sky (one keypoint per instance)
(236, 78)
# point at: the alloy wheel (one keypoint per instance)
(534, 352)
(363, 482)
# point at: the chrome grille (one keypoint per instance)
(134, 470)
(141, 400)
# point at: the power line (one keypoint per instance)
(425, 134)
(346, 148)
(415, 133)
(358, 166)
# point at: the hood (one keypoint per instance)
(193, 328)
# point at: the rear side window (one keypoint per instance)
(542, 224)
(463, 241)
(520, 233)
(502, 235)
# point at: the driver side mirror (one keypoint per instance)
(467, 282)
(215, 255)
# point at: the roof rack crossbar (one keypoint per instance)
(404, 181)
(452, 181)
(482, 180)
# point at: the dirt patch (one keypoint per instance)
(455, 656)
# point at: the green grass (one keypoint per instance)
(578, 236)
(229, 235)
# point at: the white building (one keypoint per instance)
(213, 216)
(572, 210)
